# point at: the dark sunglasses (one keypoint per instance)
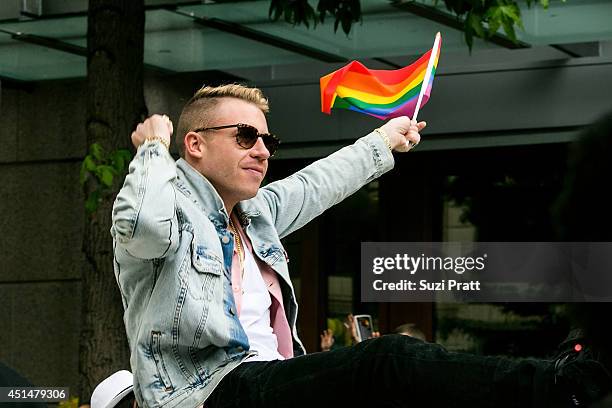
(247, 136)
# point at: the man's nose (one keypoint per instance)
(259, 150)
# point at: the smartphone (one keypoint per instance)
(363, 324)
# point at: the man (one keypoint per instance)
(210, 311)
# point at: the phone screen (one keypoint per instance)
(364, 326)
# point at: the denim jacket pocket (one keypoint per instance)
(208, 268)
(162, 373)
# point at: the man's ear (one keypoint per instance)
(194, 145)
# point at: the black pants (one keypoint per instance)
(390, 371)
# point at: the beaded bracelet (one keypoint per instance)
(161, 140)
(384, 136)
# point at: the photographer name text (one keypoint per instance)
(424, 285)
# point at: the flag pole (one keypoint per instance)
(425, 83)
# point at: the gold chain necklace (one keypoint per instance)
(239, 247)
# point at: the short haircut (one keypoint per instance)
(411, 330)
(197, 113)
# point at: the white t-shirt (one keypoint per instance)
(255, 312)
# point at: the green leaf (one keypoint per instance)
(511, 11)
(119, 158)
(494, 26)
(96, 151)
(493, 13)
(276, 10)
(475, 22)
(346, 24)
(107, 167)
(118, 163)
(89, 164)
(509, 29)
(106, 174)
(288, 15)
(93, 202)
(83, 174)
(545, 3)
(493, 16)
(127, 155)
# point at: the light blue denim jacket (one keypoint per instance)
(173, 261)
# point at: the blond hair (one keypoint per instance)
(197, 112)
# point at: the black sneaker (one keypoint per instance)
(579, 375)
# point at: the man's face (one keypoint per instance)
(235, 172)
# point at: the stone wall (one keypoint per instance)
(43, 139)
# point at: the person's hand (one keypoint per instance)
(327, 340)
(350, 325)
(156, 126)
(403, 133)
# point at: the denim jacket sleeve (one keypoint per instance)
(299, 198)
(144, 219)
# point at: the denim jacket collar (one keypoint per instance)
(202, 192)
(193, 184)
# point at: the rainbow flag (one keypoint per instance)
(383, 94)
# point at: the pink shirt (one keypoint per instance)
(278, 318)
